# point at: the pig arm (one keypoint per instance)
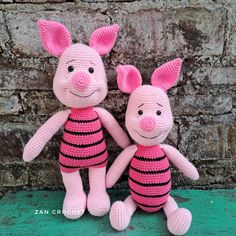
(112, 126)
(186, 167)
(44, 134)
(119, 165)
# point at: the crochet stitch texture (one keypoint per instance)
(83, 144)
(80, 83)
(149, 120)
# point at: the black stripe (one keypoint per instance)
(82, 133)
(150, 172)
(150, 184)
(152, 206)
(83, 158)
(83, 145)
(150, 159)
(72, 167)
(83, 121)
(150, 196)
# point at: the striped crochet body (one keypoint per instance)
(83, 144)
(150, 178)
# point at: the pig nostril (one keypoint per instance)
(148, 124)
(80, 80)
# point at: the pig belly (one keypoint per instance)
(83, 144)
(150, 187)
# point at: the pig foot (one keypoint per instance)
(178, 219)
(75, 200)
(98, 202)
(121, 212)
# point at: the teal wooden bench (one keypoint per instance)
(35, 213)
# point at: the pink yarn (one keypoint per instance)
(125, 72)
(166, 75)
(149, 120)
(148, 123)
(80, 83)
(149, 178)
(82, 149)
(103, 39)
(80, 80)
(51, 33)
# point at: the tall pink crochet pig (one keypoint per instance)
(149, 121)
(80, 83)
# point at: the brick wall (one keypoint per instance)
(152, 32)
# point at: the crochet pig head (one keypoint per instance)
(148, 117)
(80, 80)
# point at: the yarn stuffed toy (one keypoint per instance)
(149, 120)
(80, 83)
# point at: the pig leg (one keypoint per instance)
(178, 219)
(74, 203)
(98, 202)
(121, 212)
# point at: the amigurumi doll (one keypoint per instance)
(80, 83)
(149, 120)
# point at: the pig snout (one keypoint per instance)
(148, 124)
(80, 80)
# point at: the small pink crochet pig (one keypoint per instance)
(149, 121)
(80, 83)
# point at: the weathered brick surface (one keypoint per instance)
(201, 104)
(151, 33)
(39, 1)
(13, 175)
(206, 142)
(215, 76)
(231, 34)
(12, 79)
(169, 33)
(26, 40)
(9, 103)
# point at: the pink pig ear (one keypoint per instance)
(54, 36)
(103, 39)
(166, 75)
(128, 78)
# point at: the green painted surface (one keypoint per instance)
(214, 213)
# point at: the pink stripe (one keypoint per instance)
(149, 209)
(83, 139)
(150, 190)
(83, 113)
(149, 201)
(147, 178)
(74, 151)
(146, 166)
(83, 127)
(149, 151)
(70, 170)
(73, 162)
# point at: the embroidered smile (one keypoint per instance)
(146, 137)
(83, 96)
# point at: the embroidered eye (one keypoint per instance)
(140, 112)
(91, 70)
(158, 112)
(70, 68)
